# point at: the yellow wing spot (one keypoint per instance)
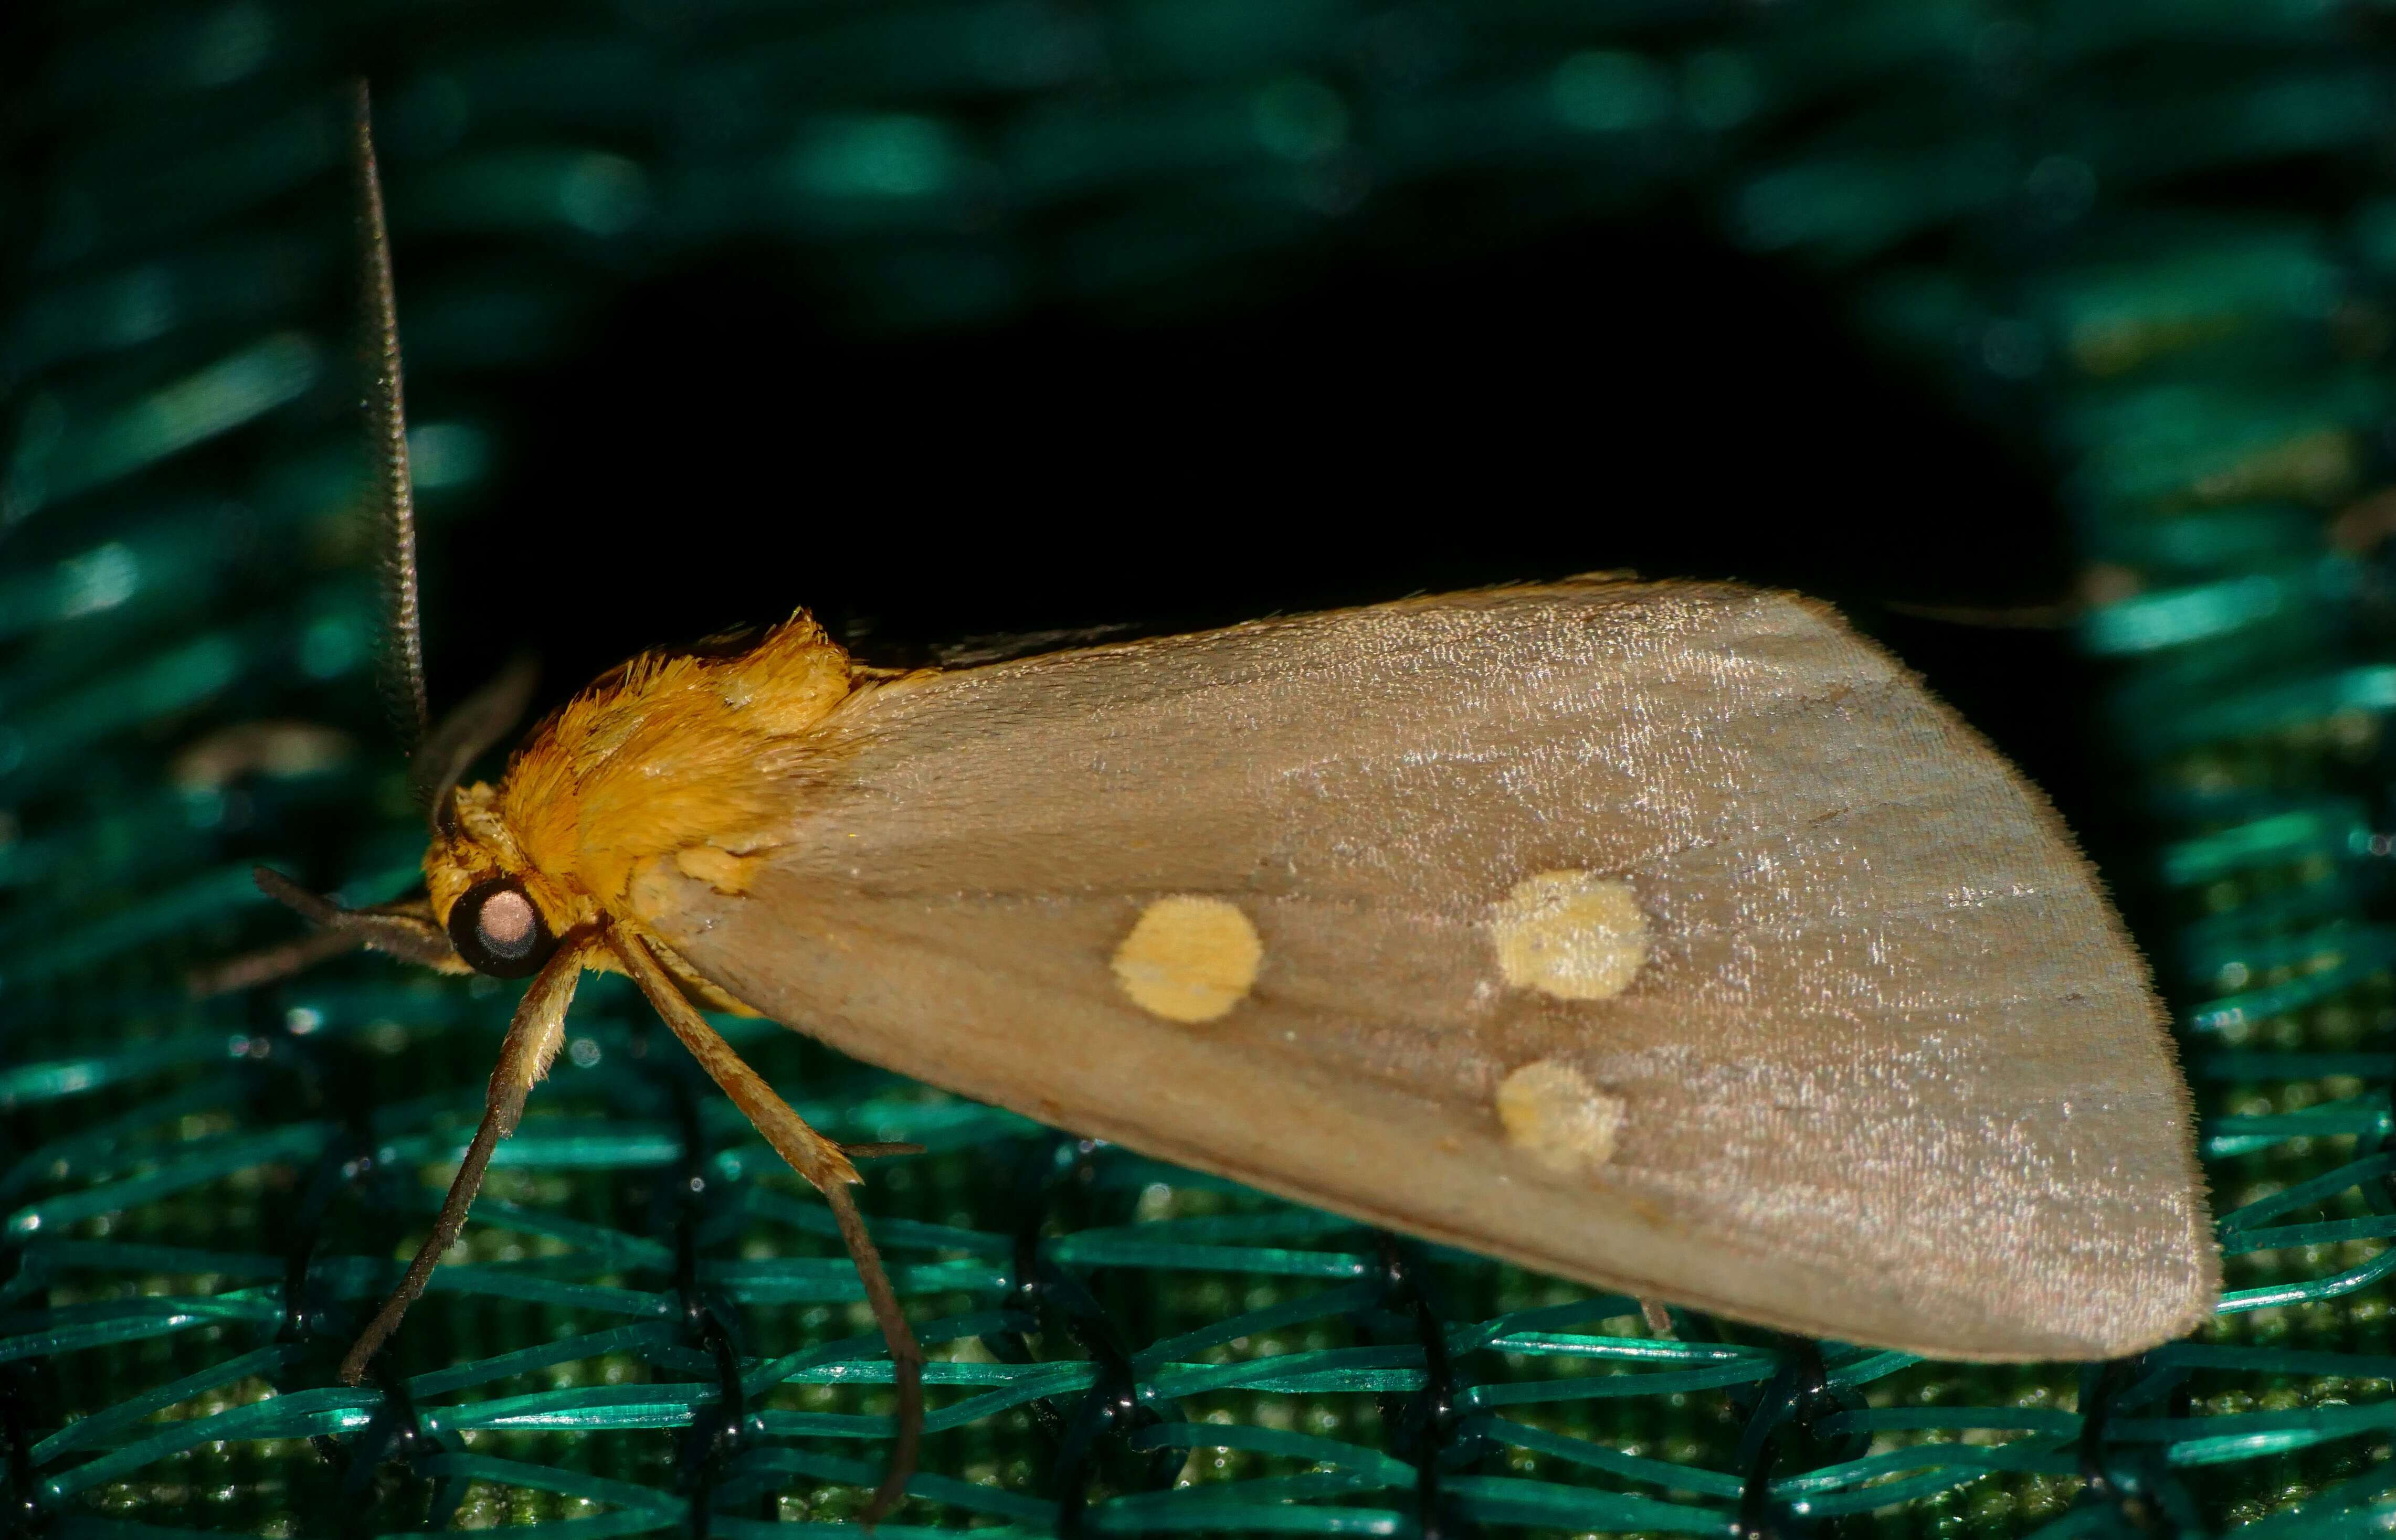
(1189, 958)
(1553, 1113)
(1571, 935)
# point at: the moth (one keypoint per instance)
(1666, 936)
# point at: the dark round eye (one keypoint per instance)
(498, 931)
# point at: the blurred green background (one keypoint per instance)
(2050, 340)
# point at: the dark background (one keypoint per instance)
(719, 450)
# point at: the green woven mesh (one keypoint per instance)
(2153, 241)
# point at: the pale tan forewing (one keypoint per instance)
(1883, 1067)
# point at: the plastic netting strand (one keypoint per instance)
(650, 1327)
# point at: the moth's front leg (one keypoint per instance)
(532, 1042)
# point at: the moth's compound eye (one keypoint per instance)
(498, 931)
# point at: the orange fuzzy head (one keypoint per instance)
(670, 756)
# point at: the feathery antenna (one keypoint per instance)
(400, 665)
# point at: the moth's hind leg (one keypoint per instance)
(532, 1042)
(823, 1164)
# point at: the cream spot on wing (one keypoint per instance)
(1572, 934)
(1553, 1113)
(1189, 958)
